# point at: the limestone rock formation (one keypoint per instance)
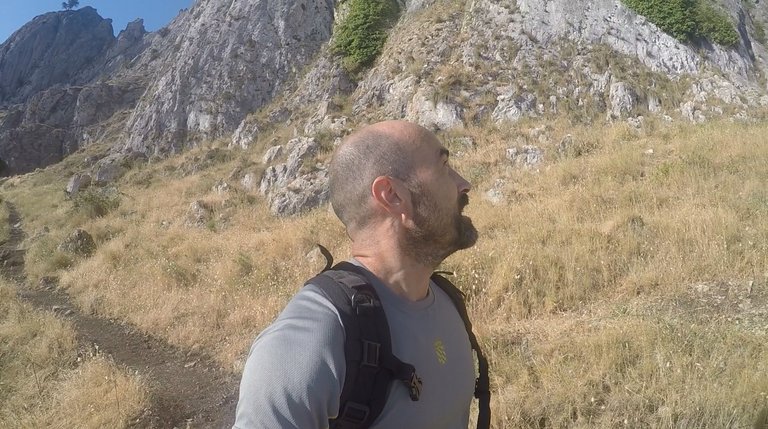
(51, 86)
(289, 188)
(238, 70)
(527, 156)
(55, 48)
(77, 183)
(222, 60)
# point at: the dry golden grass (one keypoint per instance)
(42, 383)
(5, 228)
(95, 395)
(583, 285)
(586, 238)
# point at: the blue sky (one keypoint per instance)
(156, 13)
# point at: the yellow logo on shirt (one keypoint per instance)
(442, 357)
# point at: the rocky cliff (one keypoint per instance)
(220, 61)
(447, 64)
(55, 87)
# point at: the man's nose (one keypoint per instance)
(462, 184)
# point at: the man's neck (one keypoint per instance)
(404, 276)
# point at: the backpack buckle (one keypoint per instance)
(370, 354)
(354, 413)
(363, 302)
(414, 386)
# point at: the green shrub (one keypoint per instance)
(362, 34)
(674, 17)
(97, 202)
(688, 19)
(715, 25)
(760, 33)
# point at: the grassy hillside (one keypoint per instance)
(622, 283)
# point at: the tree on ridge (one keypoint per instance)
(69, 4)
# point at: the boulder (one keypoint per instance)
(440, 115)
(622, 98)
(689, 111)
(654, 104)
(304, 193)
(245, 134)
(78, 182)
(250, 182)
(279, 176)
(513, 107)
(199, 214)
(527, 156)
(636, 122)
(221, 187)
(108, 172)
(495, 194)
(79, 242)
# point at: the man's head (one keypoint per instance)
(396, 173)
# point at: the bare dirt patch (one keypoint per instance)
(188, 389)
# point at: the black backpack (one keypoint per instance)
(371, 366)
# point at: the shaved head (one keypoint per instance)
(382, 149)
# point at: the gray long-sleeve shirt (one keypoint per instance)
(296, 367)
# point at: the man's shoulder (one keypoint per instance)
(312, 300)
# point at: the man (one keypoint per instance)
(400, 200)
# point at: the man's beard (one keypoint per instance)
(437, 233)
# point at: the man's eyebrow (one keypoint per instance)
(445, 152)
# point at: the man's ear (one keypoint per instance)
(390, 195)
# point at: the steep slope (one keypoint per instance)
(222, 60)
(454, 64)
(447, 64)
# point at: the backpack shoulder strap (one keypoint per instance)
(482, 384)
(370, 364)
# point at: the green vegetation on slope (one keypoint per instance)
(688, 19)
(362, 34)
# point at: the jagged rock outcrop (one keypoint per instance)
(291, 189)
(222, 60)
(447, 64)
(55, 48)
(507, 60)
(53, 88)
(53, 123)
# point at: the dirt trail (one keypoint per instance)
(188, 389)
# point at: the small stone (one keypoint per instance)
(528, 156)
(199, 213)
(495, 195)
(636, 122)
(221, 187)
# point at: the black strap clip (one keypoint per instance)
(363, 302)
(413, 383)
